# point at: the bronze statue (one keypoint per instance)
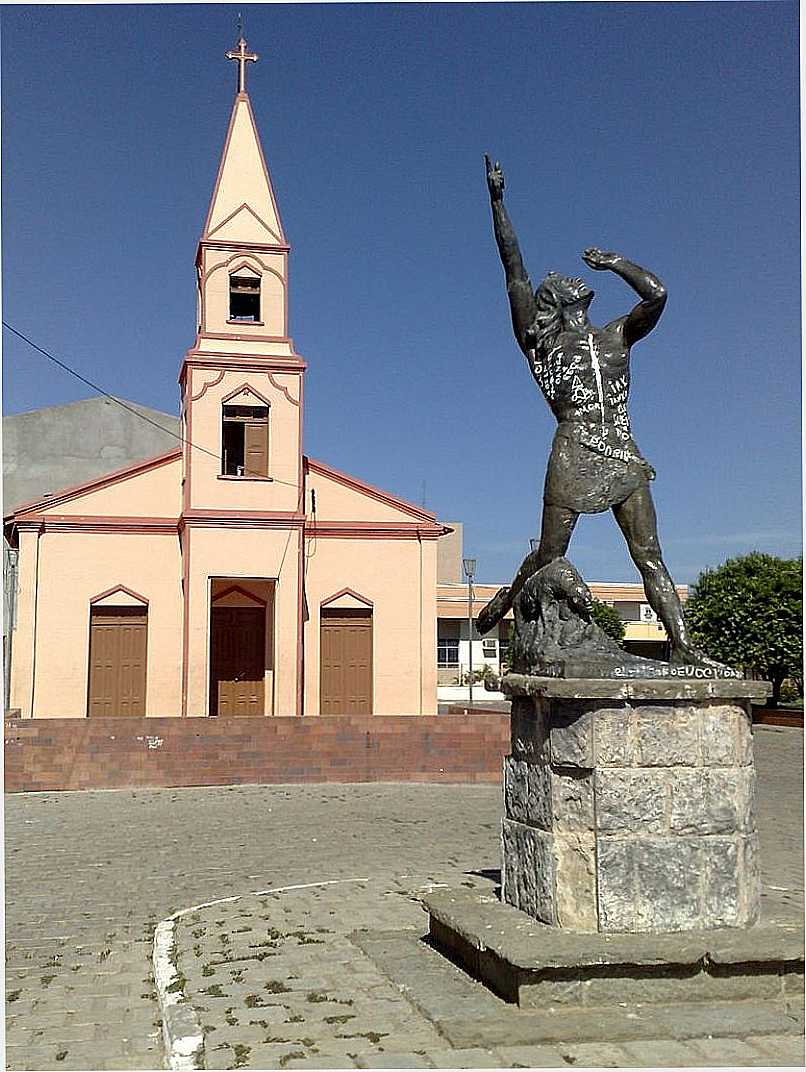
(584, 374)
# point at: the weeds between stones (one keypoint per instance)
(241, 1054)
(290, 1057)
(178, 987)
(373, 1036)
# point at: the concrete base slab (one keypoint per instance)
(537, 966)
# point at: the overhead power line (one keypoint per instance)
(124, 405)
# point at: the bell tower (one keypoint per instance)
(243, 501)
(242, 380)
(242, 260)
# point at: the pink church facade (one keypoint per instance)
(232, 575)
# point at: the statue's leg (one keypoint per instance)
(637, 520)
(556, 530)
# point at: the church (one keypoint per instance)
(232, 574)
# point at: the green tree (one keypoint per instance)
(608, 620)
(748, 613)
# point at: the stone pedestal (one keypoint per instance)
(630, 806)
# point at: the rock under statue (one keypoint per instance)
(584, 374)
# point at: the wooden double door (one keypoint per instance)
(117, 661)
(346, 663)
(238, 661)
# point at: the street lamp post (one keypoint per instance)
(469, 565)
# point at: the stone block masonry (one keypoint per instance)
(630, 807)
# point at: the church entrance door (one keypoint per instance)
(117, 661)
(237, 660)
(346, 658)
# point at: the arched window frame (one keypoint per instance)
(245, 427)
(245, 295)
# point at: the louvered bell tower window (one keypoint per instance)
(244, 298)
(245, 441)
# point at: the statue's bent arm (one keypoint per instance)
(645, 315)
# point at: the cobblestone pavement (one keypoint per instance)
(88, 876)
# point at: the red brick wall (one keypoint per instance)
(116, 753)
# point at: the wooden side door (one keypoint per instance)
(345, 654)
(117, 661)
(237, 661)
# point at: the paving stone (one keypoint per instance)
(781, 1049)
(392, 1060)
(474, 1058)
(662, 1052)
(530, 1056)
(433, 834)
(596, 1054)
(321, 1062)
(727, 1052)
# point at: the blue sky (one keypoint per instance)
(667, 132)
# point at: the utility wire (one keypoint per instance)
(100, 390)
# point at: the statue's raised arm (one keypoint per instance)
(519, 289)
(645, 315)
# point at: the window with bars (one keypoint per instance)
(245, 441)
(447, 644)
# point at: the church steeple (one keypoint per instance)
(243, 207)
(242, 395)
(243, 251)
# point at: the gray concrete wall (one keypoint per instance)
(53, 448)
(449, 555)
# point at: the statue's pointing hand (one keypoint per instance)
(495, 179)
(599, 260)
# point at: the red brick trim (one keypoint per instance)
(266, 519)
(374, 530)
(100, 523)
(229, 243)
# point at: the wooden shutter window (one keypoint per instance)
(245, 441)
(256, 447)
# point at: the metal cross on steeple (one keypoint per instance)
(243, 57)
